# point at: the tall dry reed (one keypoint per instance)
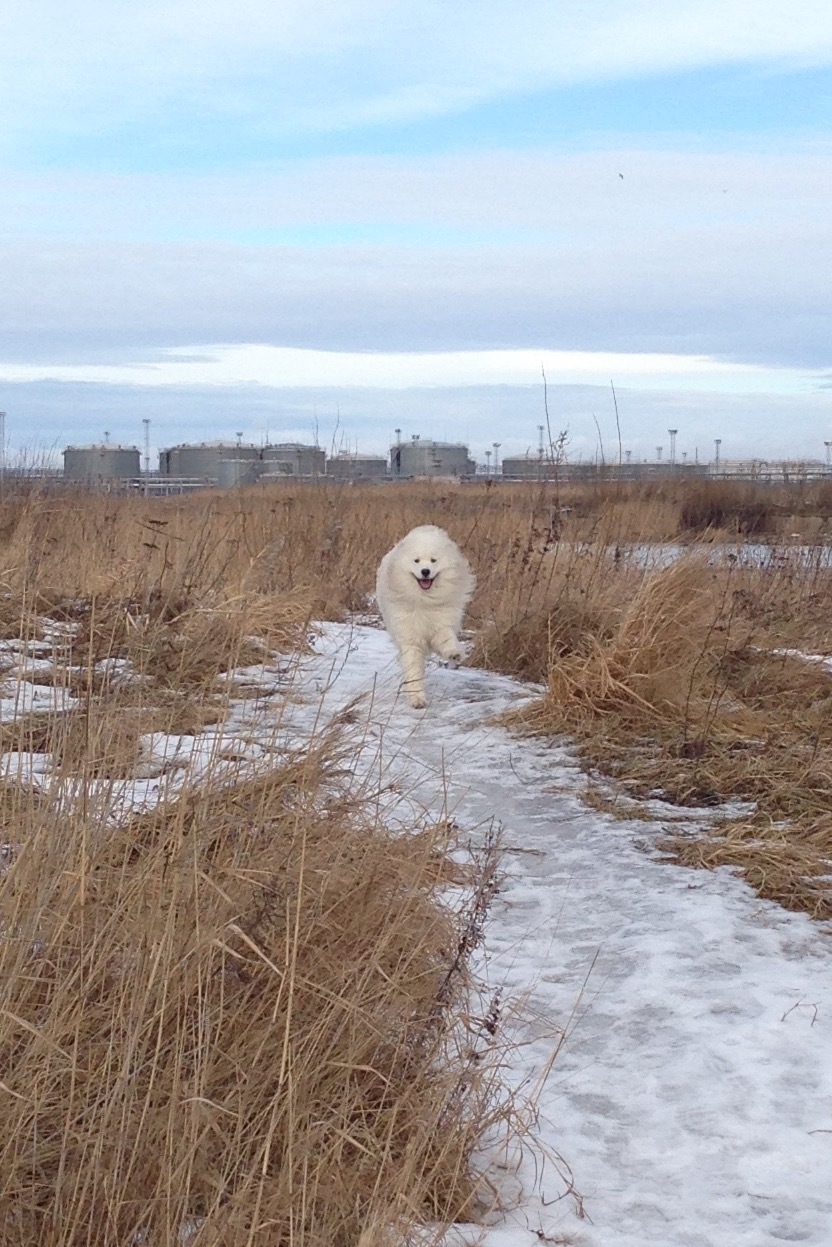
(244, 1017)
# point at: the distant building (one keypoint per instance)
(770, 469)
(529, 468)
(346, 467)
(204, 461)
(98, 464)
(201, 461)
(425, 458)
(294, 459)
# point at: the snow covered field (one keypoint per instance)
(692, 1096)
(690, 1101)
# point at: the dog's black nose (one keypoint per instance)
(426, 573)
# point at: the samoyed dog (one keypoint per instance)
(423, 586)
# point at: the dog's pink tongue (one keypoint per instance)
(426, 582)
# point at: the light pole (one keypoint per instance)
(673, 433)
(496, 446)
(717, 444)
(239, 437)
(540, 441)
(658, 454)
(488, 463)
(828, 446)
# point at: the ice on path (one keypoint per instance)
(692, 1098)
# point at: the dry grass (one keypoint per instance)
(681, 695)
(247, 1012)
(641, 666)
(246, 1015)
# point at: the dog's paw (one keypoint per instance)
(454, 659)
(418, 703)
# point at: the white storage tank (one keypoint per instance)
(201, 462)
(347, 467)
(294, 459)
(423, 458)
(102, 463)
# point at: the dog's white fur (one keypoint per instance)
(424, 620)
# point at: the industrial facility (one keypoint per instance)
(423, 458)
(202, 462)
(346, 467)
(91, 465)
(294, 459)
(229, 465)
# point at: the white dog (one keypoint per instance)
(423, 586)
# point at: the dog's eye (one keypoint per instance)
(433, 560)
(417, 560)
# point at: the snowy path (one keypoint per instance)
(692, 1098)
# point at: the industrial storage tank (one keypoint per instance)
(347, 467)
(102, 463)
(234, 473)
(201, 462)
(422, 458)
(294, 459)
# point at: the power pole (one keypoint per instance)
(146, 423)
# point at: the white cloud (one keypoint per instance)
(339, 63)
(553, 194)
(263, 365)
(713, 254)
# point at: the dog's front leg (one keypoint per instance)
(413, 667)
(446, 644)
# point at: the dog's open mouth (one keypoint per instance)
(425, 582)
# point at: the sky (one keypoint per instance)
(331, 221)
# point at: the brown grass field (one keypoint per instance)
(211, 1019)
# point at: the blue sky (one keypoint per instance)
(376, 213)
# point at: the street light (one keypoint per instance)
(673, 433)
(496, 446)
(717, 444)
(488, 463)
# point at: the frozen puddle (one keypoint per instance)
(692, 1096)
